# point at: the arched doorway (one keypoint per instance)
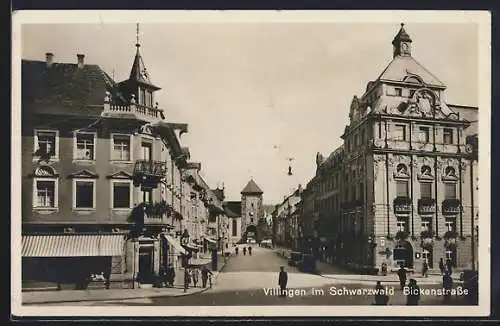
(403, 254)
(251, 232)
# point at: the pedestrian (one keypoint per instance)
(236, 251)
(384, 269)
(282, 281)
(250, 250)
(195, 274)
(425, 269)
(441, 266)
(381, 298)
(244, 251)
(413, 296)
(447, 286)
(449, 266)
(187, 279)
(204, 276)
(402, 276)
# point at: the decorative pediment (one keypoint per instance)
(84, 174)
(146, 129)
(425, 173)
(120, 175)
(401, 171)
(450, 173)
(425, 103)
(44, 171)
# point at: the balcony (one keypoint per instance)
(149, 173)
(451, 207)
(402, 235)
(133, 111)
(402, 205)
(426, 206)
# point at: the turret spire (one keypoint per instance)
(137, 44)
(402, 43)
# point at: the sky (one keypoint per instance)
(258, 94)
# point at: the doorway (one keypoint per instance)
(403, 254)
(146, 265)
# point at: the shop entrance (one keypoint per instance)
(403, 254)
(146, 265)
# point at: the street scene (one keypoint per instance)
(204, 165)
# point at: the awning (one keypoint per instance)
(174, 243)
(199, 261)
(210, 240)
(190, 246)
(73, 245)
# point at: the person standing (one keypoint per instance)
(196, 273)
(250, 250)
(187, 279)
(244, 251)
(402, 276)
(236, 251)
(449, 266)
(204, 276)
(441, 266)
(381, 298)
(413, 296)
(283, 281)
(425, 269)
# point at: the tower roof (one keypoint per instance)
(138, 72)
(251, 188)
(401, 36)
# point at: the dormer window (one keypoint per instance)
(142, 96)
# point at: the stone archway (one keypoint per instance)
(403, 254)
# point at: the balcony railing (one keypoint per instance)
(451, 207)
(402, 205)
(146, 168)
(426, 206)
(139, 111)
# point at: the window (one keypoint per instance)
(85, 145)
(426, 226)
(147, 196)
(447, 136)
(122, 194)
(400, 132)
(46, 144)
(401, 225)
(398, 91)
(83, 193)
(450, 191)
(121, 148)
(147, 151)
(361, 192)
(356, 140)
(402, 188)
(45, 188)
(426, 255)
(449, 225)
(412, 92)
(363, 136)
(45, 194)
(424, 134)
(251, 220)
(425, 190)
(142, 96)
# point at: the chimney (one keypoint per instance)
(80, 60)
(49, 59)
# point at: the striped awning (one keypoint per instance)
(174, 243)
(73, 245)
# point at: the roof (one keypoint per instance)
(232, 208)
(65, 85)
(402, 35)
(219, 193)
(404, 66)
(138, 72)
(251, 188)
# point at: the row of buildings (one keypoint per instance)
(402, 188)
(107, 186)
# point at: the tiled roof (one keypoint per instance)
(403, 66)
(64, 85)
(251, 188)
(232, 208)
(138, 72)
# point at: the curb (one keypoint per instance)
(152, 295)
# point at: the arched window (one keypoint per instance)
(45, 188)
(234, 227)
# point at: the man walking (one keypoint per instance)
(441, 266)
(449, 266)
(204, 276)
(402, 276)
(282, 281)
(447, 285)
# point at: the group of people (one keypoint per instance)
(236, 250)
(193, 275)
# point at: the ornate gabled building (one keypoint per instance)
(104, 177)
(407, 181)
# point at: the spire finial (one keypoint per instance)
(402, 25)
(137, 44)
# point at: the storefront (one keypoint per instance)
(73, 260)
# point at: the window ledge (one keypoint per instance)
(83, 210)
(121, 210)
(46, 210)
(50, 160)
(120, 162)
(83, 161)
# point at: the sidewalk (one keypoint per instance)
(41, 297)
(327, 271)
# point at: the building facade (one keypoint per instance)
(104, 187)
(286, 221)
(402, 188)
